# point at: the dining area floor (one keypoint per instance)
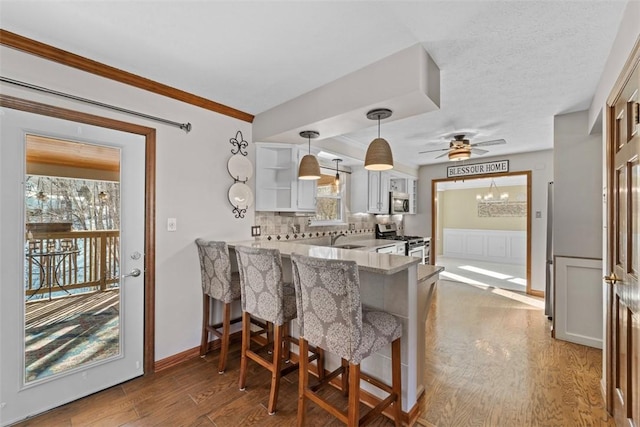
(490, 361)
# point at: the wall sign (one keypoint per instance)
(500, 166)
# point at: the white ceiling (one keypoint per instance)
(507, 67)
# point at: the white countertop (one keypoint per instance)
(367, 261)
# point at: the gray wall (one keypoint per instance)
(577, 177)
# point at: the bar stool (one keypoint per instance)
(220, 284)
(266, 296)
(331, 316)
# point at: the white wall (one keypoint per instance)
(541, 165)
(577, 187)
(192, 182)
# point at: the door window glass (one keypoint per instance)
(71, 274)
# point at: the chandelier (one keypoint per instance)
(493, 194)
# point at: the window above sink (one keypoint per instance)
(330, 209)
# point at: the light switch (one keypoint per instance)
(172, 224)
(538, 214)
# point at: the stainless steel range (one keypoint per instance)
(414, 245)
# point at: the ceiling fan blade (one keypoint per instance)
(479, 151)
(443, 154)
(433, 151)
(487, 143)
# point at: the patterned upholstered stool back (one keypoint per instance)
(329, 306)
(216, 271)
(261, 283)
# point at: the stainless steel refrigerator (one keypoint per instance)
(548, 290)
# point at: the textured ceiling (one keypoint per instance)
(507, 67)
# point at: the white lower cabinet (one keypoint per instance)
(370, 191)
(396, 249)
(278, 188)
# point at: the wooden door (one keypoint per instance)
(624, 248)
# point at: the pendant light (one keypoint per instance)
(309, 167)
(336, 182)
(379, 156)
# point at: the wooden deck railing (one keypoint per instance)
(71, 261)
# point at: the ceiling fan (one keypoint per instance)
(461, 149)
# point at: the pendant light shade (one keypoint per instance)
(379, 156)
(309, 168)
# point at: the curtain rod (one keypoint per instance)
(184, 126)
(334, 169)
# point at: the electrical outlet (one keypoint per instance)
(172, 224)
(538, 214)
(296, 228)
(255, 230)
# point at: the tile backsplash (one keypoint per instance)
(287, 227)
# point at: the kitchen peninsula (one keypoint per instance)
(394, 283)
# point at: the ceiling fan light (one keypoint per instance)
(459, 154)
(309, 168)
(379, 156)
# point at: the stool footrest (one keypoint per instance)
(327, 378)
(377, 410)
(376, 382)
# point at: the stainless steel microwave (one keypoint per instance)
(398, 203)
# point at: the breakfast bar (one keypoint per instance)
(394, 283)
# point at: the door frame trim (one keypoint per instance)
(434, 217)
(150, 199)
(625, 74)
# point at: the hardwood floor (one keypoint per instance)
(490, 362)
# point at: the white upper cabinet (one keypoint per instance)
(369, 191)
(278, 188)
(407, 185)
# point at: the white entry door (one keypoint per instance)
(21, 397)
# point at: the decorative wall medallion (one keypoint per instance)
(241, 169)
(240, 144)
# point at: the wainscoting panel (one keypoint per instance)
(474, 245)
(455, 245)
(509, 247)
(578, 300)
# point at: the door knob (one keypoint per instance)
(134, 273)
(611, 279)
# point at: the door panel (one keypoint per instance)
(624, 170)
(20, 398)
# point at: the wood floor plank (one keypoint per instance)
(490, 362)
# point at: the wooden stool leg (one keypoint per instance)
(303, 381)
(396, 380)
(353, 413)
(345, 377)
(224, 342)
(246, 336)
(286, 343)
(320, 363)
(204, 342)
(275, 368)
(269, 332)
